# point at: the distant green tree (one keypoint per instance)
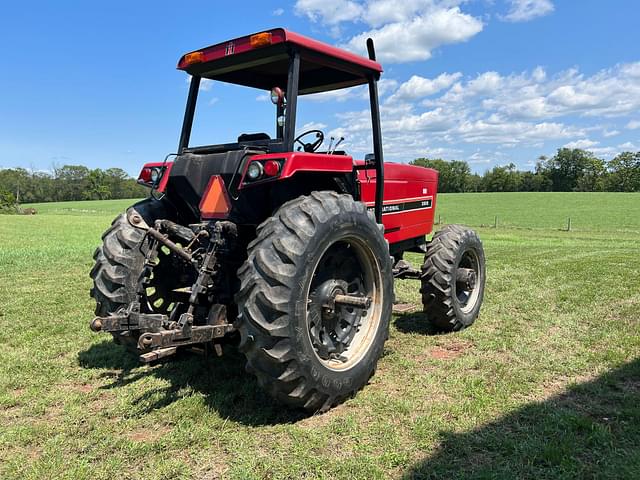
(474, 183)
(502, 179)
(96, 186)
(72, 180)
(69, 182)
(624, 173)
(529, 182)
(116, 179)
(7, 199)
(572, 169)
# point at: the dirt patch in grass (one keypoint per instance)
(78, 387)
(148, 435)
(10, 413)
(449, 351)
(18, 392)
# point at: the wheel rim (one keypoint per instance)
(341, 334)
(468, 280)
(164, 289)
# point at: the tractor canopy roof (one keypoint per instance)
(262, 61)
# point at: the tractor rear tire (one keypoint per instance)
(118, 265)
(451, 301)
(303, 353)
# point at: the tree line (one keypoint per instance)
(569, 170)
(70, 182)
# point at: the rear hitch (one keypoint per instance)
(162, 336)
(129, 319)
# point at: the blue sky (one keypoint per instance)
(487, 81)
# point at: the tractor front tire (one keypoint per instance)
(453, 278)
(304, 350)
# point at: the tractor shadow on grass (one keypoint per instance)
(415, 322)
(222, 382)
(590, 430)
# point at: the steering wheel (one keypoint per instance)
(312, 146)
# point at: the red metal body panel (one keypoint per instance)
(409, 192)
(409, 199)
(280, 35)
(332, 51)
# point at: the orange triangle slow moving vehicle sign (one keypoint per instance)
(215, 202)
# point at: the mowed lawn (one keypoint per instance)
(545, 385)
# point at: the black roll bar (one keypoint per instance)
(189, 112)
(377, 134)
(292, 101)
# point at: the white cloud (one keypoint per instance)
(418, 87)
(415, 39)
(605, 151)
(385, 86)
(329, 12)
(525, 10)
(337, 95)
(403, 31)
(611, 92)
(567, 96)
(205, 85)
(381, 12)
(493, 109)
(584, 144)
(277, 12)
(311, 126)
(633, 125)
(539, 74)
(488, 83)
(610, 133)
(519, 133)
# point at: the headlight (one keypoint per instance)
(155, 175)
(254, 171)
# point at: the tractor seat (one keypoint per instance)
(252, 137)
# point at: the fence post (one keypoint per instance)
(495, 222)
(439, 220)
(569, 224)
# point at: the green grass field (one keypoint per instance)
(545, 385)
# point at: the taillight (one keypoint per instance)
(271, 168)
(145, 175)
(259, 171)
(215, 202)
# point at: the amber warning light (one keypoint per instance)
(260, 39)
(215, 202)
(193, 57)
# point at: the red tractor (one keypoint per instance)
(277, 245)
